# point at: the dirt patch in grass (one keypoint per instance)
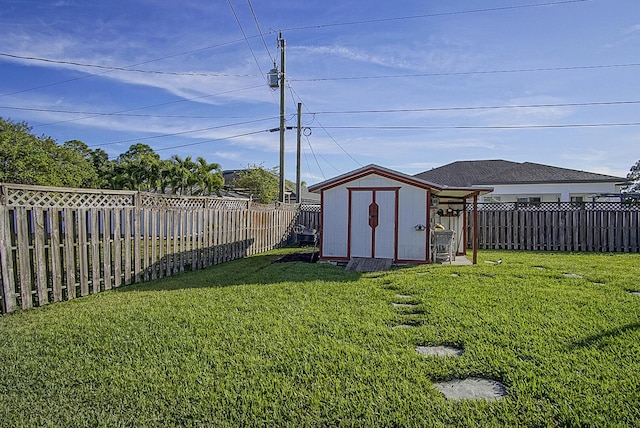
(301, 256)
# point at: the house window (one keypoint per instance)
(491, 199)
(577, 201)
(529, 201)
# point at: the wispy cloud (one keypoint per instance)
(632, 29)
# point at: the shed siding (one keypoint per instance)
(335, 217)
(413, 211)
(373, 180)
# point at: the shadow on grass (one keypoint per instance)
(258, 269)
(597, 339)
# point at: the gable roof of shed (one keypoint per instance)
(438, 189)
(491, 172)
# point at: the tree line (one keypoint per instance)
(39, 160)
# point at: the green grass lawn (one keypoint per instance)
(256, 343)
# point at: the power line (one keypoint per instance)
(212, 140)
(314, 79)
(127, 69)
(315, 158)
(429, 109)
(180, 133)
(94, 113)
(151, 106)
(405, 110)
(132, 65)
(246, 39)
(264, 42)
(432, 15)
(244, 35)
(409, 128)
(293, 91)
(467, 73)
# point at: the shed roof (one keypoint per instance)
(491, 172)
(439, 190)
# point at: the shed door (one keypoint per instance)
(372, 223)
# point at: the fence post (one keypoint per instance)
(136, 237)
(8, 284)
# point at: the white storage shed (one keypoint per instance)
(374, 212)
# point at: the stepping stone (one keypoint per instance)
(439, 351)
(404, 305)
(403, 296)
(365, 264)
(455, 275)
(635, 293)
(402, 326)
(572, 275)
(538, 267)
(472, 388)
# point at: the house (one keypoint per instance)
(374, 212)
(525, 182)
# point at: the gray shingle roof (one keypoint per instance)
(491, 172)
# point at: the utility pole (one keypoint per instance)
(283, 126)
(298, 187)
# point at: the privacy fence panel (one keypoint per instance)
(592, 227)
(58, 244)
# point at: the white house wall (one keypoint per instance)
(550, 192)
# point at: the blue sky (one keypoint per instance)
(409, 85)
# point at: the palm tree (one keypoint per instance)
(208, 177)
(182, 176)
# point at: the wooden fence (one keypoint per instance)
(57, 244)
(591, 227)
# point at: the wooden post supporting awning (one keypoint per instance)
(475, 228)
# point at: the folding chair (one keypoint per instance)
(442, 245)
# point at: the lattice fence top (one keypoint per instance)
(314, 208)
(55, 197)
(17, 195)
(228, 204)
(149, 200)
(273, 207)
(556, 206)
